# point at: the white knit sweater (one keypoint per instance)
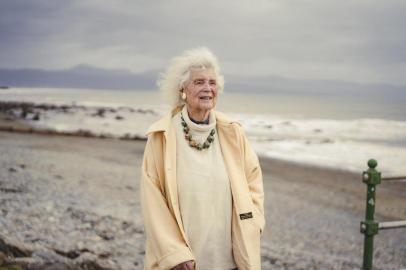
(204, 196)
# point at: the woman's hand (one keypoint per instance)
(189, 265)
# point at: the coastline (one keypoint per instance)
(86, 188)
(326, 143)
(20, 116)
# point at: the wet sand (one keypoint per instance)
(77, 199)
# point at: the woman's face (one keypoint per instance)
(201, 90)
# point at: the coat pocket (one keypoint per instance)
(252, 242)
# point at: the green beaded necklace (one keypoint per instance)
(193, 143)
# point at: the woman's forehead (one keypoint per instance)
(202, 74)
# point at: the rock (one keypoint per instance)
(106, 235)
(145, 111)
(90, 261)
(23, 114)
(80, 245)
(125, 225)
(105, 254)
(28, 263)
(49, 206)
(100, 112)
(71, 254)
(126, 136)
(85, 133)
(51, 257)
(327, 141)
(85, 226)
(14, 248)
(3, 258)
(96, 238)
(36, 117)
(52, 219)
(10, 190)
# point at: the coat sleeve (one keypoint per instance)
(163, 235)
(253, 174)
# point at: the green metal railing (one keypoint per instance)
(369, 227)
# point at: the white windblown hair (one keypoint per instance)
(178, 73)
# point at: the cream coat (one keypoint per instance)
(166, 244)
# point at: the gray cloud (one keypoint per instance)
(360, 41)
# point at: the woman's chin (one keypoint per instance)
(207, 105)
(207, 108)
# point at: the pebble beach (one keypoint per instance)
(71, 202)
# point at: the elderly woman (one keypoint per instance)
(201, 187)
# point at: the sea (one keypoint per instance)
(320, 129)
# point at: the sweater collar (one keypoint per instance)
(196, 127)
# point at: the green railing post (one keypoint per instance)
(369, 227)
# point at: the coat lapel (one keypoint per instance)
(170, 169)
(230, 147)
(171, 183)
(171, 188)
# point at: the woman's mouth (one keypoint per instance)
(206, 98)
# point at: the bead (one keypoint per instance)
(193, 143)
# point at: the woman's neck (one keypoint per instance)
(205, 122)
(198, 116)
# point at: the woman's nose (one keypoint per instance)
(207, 85)
(206, 89)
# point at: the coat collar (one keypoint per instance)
(164, 123)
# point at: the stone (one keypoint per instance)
(90, 261)
(3, 258)
(14, 248)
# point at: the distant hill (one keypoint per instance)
(276, 84)
(78, 77)
(88, 77)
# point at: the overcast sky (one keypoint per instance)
(360, 40)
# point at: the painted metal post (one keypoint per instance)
(369, 227)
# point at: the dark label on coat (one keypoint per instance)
(246, 215)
